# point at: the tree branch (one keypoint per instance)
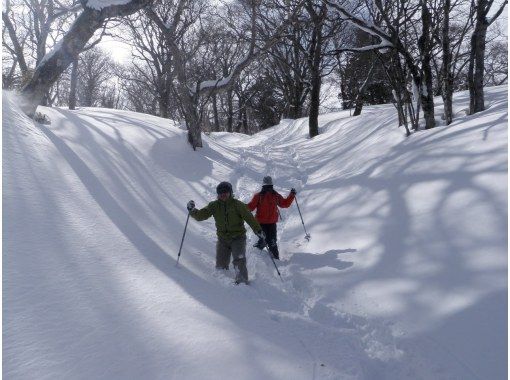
(18, 50)
(498, 13)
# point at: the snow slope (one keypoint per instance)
(405, 276)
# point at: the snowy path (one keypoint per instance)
(296, 299)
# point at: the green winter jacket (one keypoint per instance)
(229, 216)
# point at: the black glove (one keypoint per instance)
(191, 205)
(293, 191)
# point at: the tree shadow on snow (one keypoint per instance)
(414, 264)
(308, 261)
(197, 287)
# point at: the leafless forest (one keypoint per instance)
(242, 65)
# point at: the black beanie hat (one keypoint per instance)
(224, 187)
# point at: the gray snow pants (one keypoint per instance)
(237, 248)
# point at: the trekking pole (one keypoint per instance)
(274, 263)
(307, 235)
(182, 240)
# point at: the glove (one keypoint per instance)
(191, 205)
(293, 191)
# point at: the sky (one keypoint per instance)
(120, 51)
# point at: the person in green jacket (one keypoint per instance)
(229, 215)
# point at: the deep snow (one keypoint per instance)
(405, 276)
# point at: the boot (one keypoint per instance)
(274, 250)
(260, 244)
(241, 271)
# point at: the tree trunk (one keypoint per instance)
(163, 100)
(288, 97)
(87, 95)
(245, 120)
(315, 84)
(359, 97)
(297, 101)
(476, 62)
(313, 123)
(315, 60)
(215, 113)
(400, 106)
(294, 111)
(447, 79)
(230, 112)
(294, 108)
(240, 112)
(194, 126)
(74, 82)
(412, 116)
(188, 100)
(426, 89)
(192, 117)
(358, 105)
(343, 93)
(396, 76)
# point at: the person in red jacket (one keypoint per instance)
(266, 202)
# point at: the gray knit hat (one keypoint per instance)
(267, 180)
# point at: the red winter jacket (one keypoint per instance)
(267, 206)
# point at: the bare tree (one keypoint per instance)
(152, 58)
(34, 26)
(447, 80)
(190, 94)
(452, 22)
(289, 69)
(140, 95)
(477, 56)
(73, 84)
(496, 64)
(111, 97)
(183, 14)
(318, 13)
(425, 47)
(362, 77)
(393, 15)
(55, 62)
(16, 48)
(220, 54)
(301, 59)
(94, 70)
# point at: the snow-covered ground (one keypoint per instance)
(405, 276)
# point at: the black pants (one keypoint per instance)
(271, 238)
